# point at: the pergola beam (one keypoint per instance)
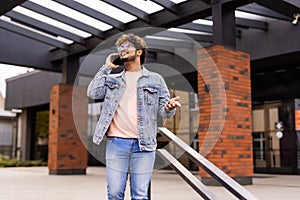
(201, 38)
(186, 36)
(7, 5)
(188, 11)
(262, 11)
(36, 24)
(60, 17)
(293, 2)
(196, 27)
(249, 23)
(201, 28)
(280, 6)
(22, 51)
(168, 5)
(33, 35)
(129, 9)
(92, 13)
(169, 43)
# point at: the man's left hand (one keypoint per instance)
(173, 103)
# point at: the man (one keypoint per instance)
(132, 101)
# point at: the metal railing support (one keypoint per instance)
(193, 181)
(226, 181)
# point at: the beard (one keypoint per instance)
(129, 58)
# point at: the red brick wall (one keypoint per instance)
(67, 154)
(297, 120)
(232, 150)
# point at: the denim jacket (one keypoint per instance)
(152, 96)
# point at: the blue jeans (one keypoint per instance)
(123, 157)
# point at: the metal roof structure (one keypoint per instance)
(7, 114)
(42, 33)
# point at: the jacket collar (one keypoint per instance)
(145, 72)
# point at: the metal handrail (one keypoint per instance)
(194, 182)
(226, 181)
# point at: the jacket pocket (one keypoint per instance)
(150, 95)
(111, 86)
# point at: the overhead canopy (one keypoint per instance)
(41, 34)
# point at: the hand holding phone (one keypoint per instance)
(116, 60)
(113, 60)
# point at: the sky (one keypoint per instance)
(8, 71)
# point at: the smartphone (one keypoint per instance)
(116, 60)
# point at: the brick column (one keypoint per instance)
(224, 69)
(67, 154)
(297, 129)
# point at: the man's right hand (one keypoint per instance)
(109, 61)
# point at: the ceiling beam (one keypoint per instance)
(196, 27)
(187, 11)
(203, 28)
(7, 5)
(129, 9)
(30, 34)
(280, 6)
(260, 10)
(243, 23)
(92, 13)
(22, 51)
(168, 5)
(60, 17)
(38, 25)
(249, 23)
(293, 2)
(73, 49)
(169, 43)
(184, 36)
(201, 38)
(207, 1)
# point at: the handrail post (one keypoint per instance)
(193, 181)
(226, 181)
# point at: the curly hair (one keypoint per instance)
(137, 41)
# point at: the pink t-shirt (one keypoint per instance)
(124, 123)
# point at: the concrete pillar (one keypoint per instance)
(67, 154)
(231, 151)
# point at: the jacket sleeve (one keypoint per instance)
(96, 88)
(164, 98)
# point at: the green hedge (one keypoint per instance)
(5, 162)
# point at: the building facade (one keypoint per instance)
(8, 130)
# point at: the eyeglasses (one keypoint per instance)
(125, 47)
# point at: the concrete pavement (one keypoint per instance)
(34, 183)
